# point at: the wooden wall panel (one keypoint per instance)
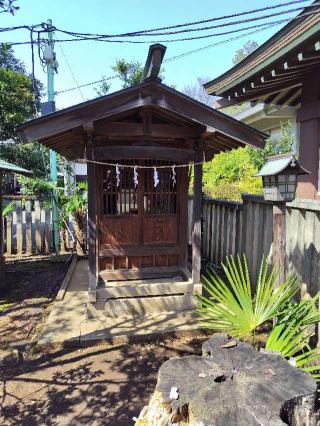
(134, 262)
(160, 230)
(147, 262)
(106, 263)
(161, 260)
(120, 262)
(119, 231)
(173, 260)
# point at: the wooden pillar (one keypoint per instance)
(279, 239)
(309, 141)
(197, 213)
(1, 229)
(92, 229)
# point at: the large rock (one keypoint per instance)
(231, 384)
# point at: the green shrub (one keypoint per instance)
(232, 173)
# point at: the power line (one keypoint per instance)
(86, 84)
(153, 33)
(71, 72)
(209, 46)
(147, 32)
(106, 37)
(175, 40)
(26, 27)
(173, 58)
(203, 21)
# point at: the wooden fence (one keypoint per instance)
(28, 229)
(232, 228)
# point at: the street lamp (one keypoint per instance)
(280, 177)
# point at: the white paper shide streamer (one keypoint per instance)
(135, 176)
(174, 180)
(118, 175)
(155, 177)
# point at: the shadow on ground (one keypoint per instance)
(25, 293)
(93, 386)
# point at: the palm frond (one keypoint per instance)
(292, 333)
(230, 306)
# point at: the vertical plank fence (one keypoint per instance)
(230, 228)
(28, 229)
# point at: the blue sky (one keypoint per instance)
(90, 60)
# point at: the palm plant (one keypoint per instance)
(76, 204)
(8, 209)
(291, 335)
(232, 307)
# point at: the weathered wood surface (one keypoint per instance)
(28, 230)
(279, 240)
(231, 384)
(230, 228)
(197, 206)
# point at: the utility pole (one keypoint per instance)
(50, 59)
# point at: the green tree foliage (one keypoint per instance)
(129, 72)
(17, 104)
(242, 53)
(231, 174)
(31, 156)
(103, 87)
(282, 145)
(8, 61)
(17, 100)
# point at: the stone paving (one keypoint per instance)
(68, 321)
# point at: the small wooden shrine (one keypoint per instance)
(139, 144)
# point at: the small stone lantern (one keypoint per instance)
(280, 177)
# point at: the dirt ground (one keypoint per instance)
(26, 294)
(102, 385)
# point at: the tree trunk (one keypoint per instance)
(231, 384)
(80, 231)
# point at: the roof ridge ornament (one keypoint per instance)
(153, 63)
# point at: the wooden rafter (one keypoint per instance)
(147, 111)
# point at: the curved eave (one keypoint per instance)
(277, 65)
(65, 130)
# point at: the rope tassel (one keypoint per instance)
(135, 176)
(174, 180)
(155, 177)
(118, 175)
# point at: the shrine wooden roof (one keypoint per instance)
(273, 73)
(177, 116)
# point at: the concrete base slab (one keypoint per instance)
(125, 329)
(68, 321)
(144, 288)
(112, 308)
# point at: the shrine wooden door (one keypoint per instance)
(142, 223)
